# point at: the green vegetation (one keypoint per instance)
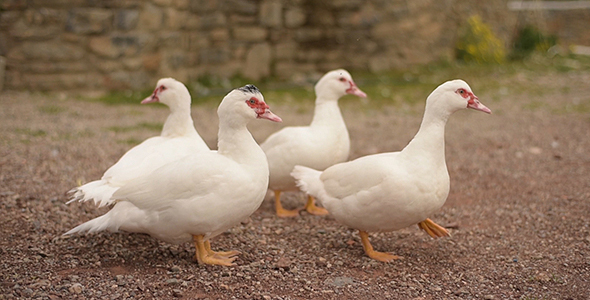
(130, 141)
(140, 126)
(528, 40)
(477, 43)
(31, 132)
(51, 109)
(405, 88)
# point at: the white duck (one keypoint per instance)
(203, 194)
(178, 138)
(391, 191)
(321, 144)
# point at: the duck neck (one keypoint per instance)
(429, 142)
(327, 113)
(237, 143)
(179, 122)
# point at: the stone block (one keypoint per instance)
(213, 20)
(107, 66)
(20, 30)
(151, 62)
(151, 17)
(236, 19)
(198, 41)
(13, 5)
(4, 43)
(126, 19)
(56, 3)
(128, 44)
(9, 18)
(285, 51)
(193, 22)
(165, 3)
(174, 40)
(46, 16)
(249, 34)
(271, 13)
(323, 17)
(53, 82)
(294, 17)
(346, 4)
(258, 60)
(348, 19)
(385, 30)
(245, 7)
(132, 64)
(48, 51)
(2, 71)
(284, 69)
(239, 51)
(310, 55)
(103, 46)
(175, 19)
(146, 42)
(276, 35)
(214, 55)
(203, 6)
(122, 80)
(219, 35)
(227, 70)
(336, 55)
(174, 60)
(43, 67)
(309, 34)
(181, 4)
(89, 20)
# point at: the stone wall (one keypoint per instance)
(122, 44)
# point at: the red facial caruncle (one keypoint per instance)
(473, 101)
(262, 110)
(154, 97)
(259, 106)
(353, 89)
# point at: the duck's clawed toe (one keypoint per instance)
(433, 229)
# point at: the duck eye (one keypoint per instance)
(461, 91)
(252, 101)
(342, 79)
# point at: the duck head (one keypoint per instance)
(455, 95)
(171, 92)
(246, 103)
(336, 84)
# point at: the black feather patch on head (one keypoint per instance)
(249, 88)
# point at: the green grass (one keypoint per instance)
(130, 141)
(398, 87)
(52, 109)
(31, 132)
(153, 126)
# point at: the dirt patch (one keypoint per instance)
(518, 207)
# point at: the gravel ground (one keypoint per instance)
(518, 208)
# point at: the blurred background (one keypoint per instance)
(126, 45)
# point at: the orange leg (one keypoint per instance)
(204, 253)
(380, 256)
(434, 230)
(223, 254)
(281, 212)
(313, 209)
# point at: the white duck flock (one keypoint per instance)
(321, 144)
(391, 191)
(178, 138)
(203, 194)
